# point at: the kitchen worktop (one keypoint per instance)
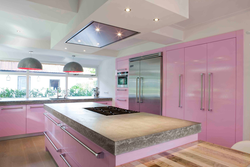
(23, 101)
(119, 134)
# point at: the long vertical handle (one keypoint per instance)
(209, 92)
(180, 90)
(141, 90)
(136, 90)
(202, 90)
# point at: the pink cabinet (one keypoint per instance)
(195, 86)
(121, 99)
(12, 120)
(122, 65)
(80, 155)
(221, 96)
(175, 84)
(108, 103)
(52, 128)
(35, 118)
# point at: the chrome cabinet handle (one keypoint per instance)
(62, 156)
(180, 90)
(202, 90)
(103, 103)
(98, 155)
(121, 100)
(136, 90)
(12, 108)
(57, 149)
(209, 92)
(57, 124)
(141, 88)
(122, 89)
(122, 69)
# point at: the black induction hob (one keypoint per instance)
(109, 110)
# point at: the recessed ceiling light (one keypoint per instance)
(156, 19)
(65, 48)
(84, 50)
(97, 44)
(19, 31)
(79, 40)
(119, 34)
(97, 29)
(128, 10)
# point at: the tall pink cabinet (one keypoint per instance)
(204, 83)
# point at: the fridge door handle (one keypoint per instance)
(136, 90)
(141, 90)
(202, 90)
(180, 90)
(209, 91)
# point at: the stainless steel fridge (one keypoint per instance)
(145, 83)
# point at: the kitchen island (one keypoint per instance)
(77, 136)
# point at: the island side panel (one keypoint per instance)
(148, 151)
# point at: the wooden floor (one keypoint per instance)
(30, 152)
(197, 154)
(25, 152)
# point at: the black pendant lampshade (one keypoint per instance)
(30, 64)
(73, 67)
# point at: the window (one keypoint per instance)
(46, 86)
(81, 86)
(12, 86)
(44, 83)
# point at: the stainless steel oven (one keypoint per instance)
(122, 79)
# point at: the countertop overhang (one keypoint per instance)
(121, 133)
(23, 101)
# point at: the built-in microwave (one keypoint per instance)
(122, 79)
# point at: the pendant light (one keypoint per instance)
(30, 63)
(73, 67)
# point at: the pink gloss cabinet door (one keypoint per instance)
(221, 124)
(12, 120)
(35, 118)
(54, 132)
(122, 65)
(175, 84)
(108, 103)
(81, 155)
(195, 82)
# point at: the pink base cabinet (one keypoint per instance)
(35, 118)
(12, 120)
(60, 141)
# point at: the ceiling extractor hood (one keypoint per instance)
(99, 35)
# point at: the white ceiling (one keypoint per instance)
(202, 11)
(46, 24)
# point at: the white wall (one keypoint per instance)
(106, 78)
(237, 22)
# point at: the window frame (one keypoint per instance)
(34, 73)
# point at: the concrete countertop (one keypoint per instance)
(119, 134)
(23, 101)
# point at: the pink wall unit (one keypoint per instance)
(195, 86)
(35, 118)
(221, 94)
(122, 65)
(220, 59)
(108, 103)
(174, 80)
(12, 120)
